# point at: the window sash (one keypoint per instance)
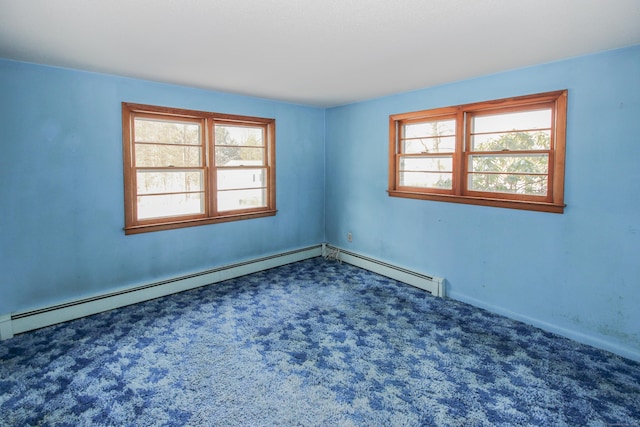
(436, 174)
(510, 179)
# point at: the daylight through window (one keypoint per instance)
(185, 168)
(506, 153)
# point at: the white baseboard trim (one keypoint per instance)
(574, 335)
(26, 321)
(434, 285)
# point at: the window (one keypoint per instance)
(184, 168)
(507, 153)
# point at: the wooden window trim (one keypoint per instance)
(553, 202)
(207, 120)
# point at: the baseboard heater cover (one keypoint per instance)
(29, 320)
(432, 284)
(16, 323)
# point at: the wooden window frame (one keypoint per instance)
(207, 121)
(459, 193)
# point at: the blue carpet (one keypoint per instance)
(311, 343)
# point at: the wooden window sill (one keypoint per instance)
(482, 201)
(146, 228)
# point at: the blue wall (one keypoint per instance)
(61, 187)
(577, 273)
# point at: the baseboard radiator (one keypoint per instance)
(431, 284)
(16, 323)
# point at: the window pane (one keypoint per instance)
(429, 145)
(239, 135)
(170, 205)
(239, 156)
(426, 179)
(508, 122)
(154, 155)
(150, 182)
(430, 129)
(536, 140)
(166, 132)
(241, 199)
(533, 164)
(534, 185)
(427, 164)
(229, 179)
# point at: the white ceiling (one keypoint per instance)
(316, 52)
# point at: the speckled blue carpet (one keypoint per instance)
(311, 343)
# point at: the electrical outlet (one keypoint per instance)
(349, 237)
